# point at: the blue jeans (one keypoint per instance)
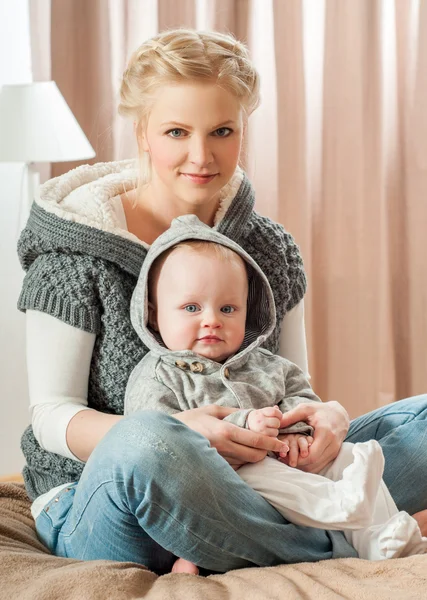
(154, 489)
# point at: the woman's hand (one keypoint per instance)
(330, 422)
(237, 445)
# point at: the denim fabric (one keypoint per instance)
(401, 430)
(153, 488)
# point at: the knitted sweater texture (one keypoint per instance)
(82, 269)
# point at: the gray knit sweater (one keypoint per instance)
(82, 268)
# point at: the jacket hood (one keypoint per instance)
(75, 213)
(261, 313)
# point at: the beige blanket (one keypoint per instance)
(29, 572)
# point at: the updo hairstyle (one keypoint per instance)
(179, 56)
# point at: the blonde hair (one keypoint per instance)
(200, 246)
(182, 55)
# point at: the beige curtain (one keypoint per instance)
(337, 152)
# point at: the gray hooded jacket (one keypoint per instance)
(253, 378)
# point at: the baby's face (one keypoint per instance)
(201, 303)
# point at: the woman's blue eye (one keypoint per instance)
(179, 133)
(228, 309)
(173, 131)
(223, 132)
(191, 308)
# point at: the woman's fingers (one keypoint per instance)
(302, 412)
(236, 453)
(330, 422)
(238, 448)
(255, 440)
(303, 446)
(293, 453)
(233, 462)
(220, 412)
(322, 452)
(229, 439)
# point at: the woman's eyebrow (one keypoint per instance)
(175, 123)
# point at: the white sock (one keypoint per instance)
(400, 536)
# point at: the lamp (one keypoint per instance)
(36, 125)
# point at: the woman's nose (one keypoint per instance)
(200, 153)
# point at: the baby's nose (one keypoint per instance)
(212, 320)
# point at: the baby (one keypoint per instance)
(203, 307)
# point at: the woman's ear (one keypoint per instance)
(152, 317)
(141, 137)
(142, 143)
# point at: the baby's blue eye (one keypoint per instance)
(191, 308)
(228, 309)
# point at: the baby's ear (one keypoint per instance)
(152, 316)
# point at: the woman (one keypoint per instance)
(155, 487)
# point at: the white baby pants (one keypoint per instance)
(348, 495)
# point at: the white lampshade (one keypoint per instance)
(36, 125)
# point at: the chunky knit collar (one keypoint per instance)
(75, 213)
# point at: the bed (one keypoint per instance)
(29, 572)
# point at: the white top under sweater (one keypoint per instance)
(58, 363)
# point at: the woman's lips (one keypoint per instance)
(199, 179)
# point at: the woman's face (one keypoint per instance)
(194, 136)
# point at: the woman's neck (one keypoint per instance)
(150, 213)
(166, 207)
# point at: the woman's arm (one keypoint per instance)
(292, 340)
(86, 429)
(329, 420)
(58, 363)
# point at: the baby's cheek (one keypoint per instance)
(176, 335)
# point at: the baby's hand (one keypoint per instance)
(265, 420)
(299, 445)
